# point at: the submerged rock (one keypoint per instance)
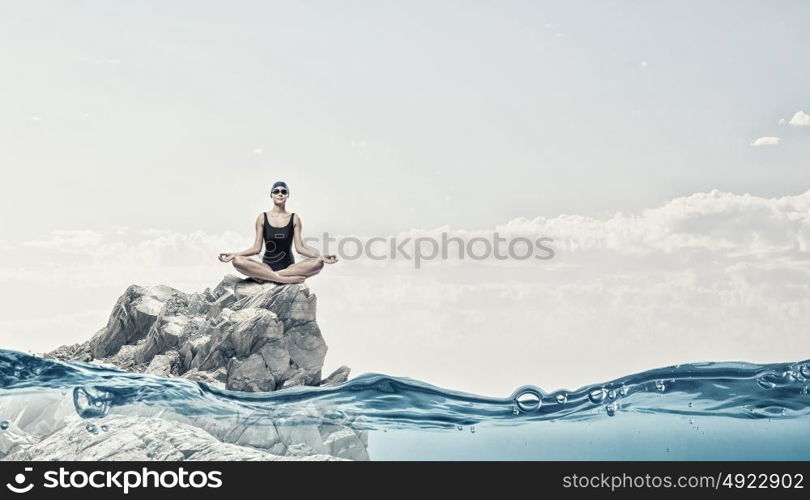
(121, 437)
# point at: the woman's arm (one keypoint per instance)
(257, 244)
(299, 243)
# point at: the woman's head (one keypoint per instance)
(280, 191)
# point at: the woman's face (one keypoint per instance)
(280, 194)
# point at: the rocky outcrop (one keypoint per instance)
(242, 335)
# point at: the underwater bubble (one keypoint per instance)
(612, 394)
(804, 390)
(460, 427)
(623, 390)
(472, 429)
(71, 438)
(562, 398)
(528, 401)
(597, 395)
(104, 428)
(691, 421)
(660, 386)
(91, 402)
(515, 410)
(765, 383)
(4, 425)
(690, 404)
(612, 408)
(805, 369)
(91, 428)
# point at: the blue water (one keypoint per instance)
(706, 411)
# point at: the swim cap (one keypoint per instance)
(280, 183)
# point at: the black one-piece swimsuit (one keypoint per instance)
(278, 245)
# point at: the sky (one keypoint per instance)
(663, 146)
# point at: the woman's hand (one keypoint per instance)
(226, 257)
(329, 259)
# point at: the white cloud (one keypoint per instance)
(67, 240)
(766, 141)
(800, 119)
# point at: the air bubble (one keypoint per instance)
(597, 395)
(612, 408)
(765, 383)
(515, 410)
(612, 394)
(91, 402)
(104, 428)
(660, 386)
(460, 427)
(623, 390)
(91, 428)
(5, 424)
(562, 398)
(528, 401)
(472, 429)
(805, 370)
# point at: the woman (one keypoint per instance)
(279, 229)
